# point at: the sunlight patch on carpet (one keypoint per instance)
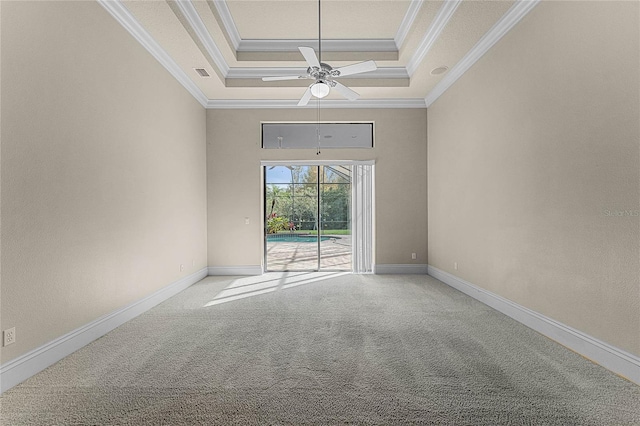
(256, 285)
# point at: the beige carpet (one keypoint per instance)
(325, 349)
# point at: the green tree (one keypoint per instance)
(297, 202)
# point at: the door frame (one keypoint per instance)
(267, 163)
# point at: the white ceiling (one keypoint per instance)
(239, 41)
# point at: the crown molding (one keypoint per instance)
(407, 22)
(122, 15)
(325, 104)
(345, 45)
(433, 32)
(117, 9)
(382, 45)
(238, 72)
(518, 11)
(227, 21)
(385, 72)
(192, 16)
(129, 22)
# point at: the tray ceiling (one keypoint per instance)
(239, 41)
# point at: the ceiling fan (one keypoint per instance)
(323, 74)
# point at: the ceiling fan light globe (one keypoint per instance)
(320, 89)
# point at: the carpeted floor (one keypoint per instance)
(323, 349)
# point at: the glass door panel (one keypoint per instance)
(335, 218)
(291, 207)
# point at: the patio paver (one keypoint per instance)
(301, 256)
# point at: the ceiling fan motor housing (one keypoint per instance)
(325, 72)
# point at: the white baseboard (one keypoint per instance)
(618, 361)
(25, 366)
(401, 269)
(235, 270)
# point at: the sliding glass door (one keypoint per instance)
(307, 218)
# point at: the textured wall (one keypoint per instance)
(234, 188)
(534, 169)
(103, 171)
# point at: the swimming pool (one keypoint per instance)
(295, 238)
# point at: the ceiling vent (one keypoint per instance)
(202, 72)
(439, 70)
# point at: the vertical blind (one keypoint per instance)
(362, 206)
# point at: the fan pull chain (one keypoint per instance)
(318, 125)
(319, 60)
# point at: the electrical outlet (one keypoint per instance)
(9, 336)
(181, 268)
(414, 256)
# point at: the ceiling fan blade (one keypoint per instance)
(284, 77)
(345, 91)
(357, 68)
(310, 56)
(305, 98)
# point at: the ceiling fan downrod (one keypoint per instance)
(319, 32)
(323, 74)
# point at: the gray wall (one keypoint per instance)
(534, 169)
(103, 171)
